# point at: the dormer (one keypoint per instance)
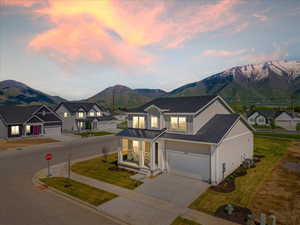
(155, 118)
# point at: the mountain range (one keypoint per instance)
(269, 83)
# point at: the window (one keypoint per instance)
(138, 122)
(154, 121)
(27, 129)
(81, 124)
(15, 130)
(92, 113)
(65, 114)
(80, 114)
(261, 120)
(98, 113)
(178, 123)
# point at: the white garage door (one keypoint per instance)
(53, 131)
(191, 165)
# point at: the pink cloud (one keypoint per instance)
(116, 32)
(22, 3)
(224, 53)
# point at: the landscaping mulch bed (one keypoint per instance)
(239, 215)
(118, 169)
(228, 185)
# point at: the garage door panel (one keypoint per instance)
(53, 131)
(191, 165)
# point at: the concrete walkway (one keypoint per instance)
(138, 208)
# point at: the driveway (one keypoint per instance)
(176, 189)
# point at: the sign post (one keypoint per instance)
(48, 157)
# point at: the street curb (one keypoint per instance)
(36, 182)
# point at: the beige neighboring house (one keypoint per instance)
(199, 137)
(284, 119)
(80, 116)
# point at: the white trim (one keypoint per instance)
(239, 135)
(41, 121)
(159, 109)
(188, 141)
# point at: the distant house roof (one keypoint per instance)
(212, 132)
(21, 114)
(268, 113)
(73, 106)
(140, 133)
(177, 104)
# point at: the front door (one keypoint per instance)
(135, 151)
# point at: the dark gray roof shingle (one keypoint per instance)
(178, 104)
(17, 114)
(75, 106)
(140, 133)
(212, 132)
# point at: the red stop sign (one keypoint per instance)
(48, 156)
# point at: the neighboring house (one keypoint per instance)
(78, 116)
(199, 137)
(22, 121)
(281, 118)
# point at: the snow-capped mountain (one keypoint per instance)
(273, 82)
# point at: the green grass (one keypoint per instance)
(246, 186)
(182, 221)
(98, 169)
(90, 133)
(276, 135)
(122, 125)
(267, 127)
(79, 190)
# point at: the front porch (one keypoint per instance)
(143, 156)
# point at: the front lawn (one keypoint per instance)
(182, 221)
(246, 186)
(270, 134)
(105, 170)
(91, 134)
(79, 190)
(24, 142)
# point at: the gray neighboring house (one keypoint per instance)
(80, 116)
(24, 121)
(199, 137)
(281, 118)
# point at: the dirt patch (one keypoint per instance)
(280, 194)
(23, 142)
(239, 214)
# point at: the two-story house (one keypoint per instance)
(78, 116)
(199, 137)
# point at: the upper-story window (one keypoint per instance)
(80, 114)
(154, 121)
(92, 113)
(138, 122)
(98, 113)
(178, 123)
(65, 114)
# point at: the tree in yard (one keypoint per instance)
(273, 126)
(298, 128)
(105, 153)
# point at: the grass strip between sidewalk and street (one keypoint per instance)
(246, 186)
(92, 134)
(277, 135)
(79, 190)
(102, 168)
(182, 221)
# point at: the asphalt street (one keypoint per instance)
(23, 204)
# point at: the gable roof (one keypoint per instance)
(212, 132)
(17, 114)
(269, 113)
(74, 106)
(189, 104)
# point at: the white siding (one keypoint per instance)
(202, 118)
(252, 118)
(286, 121)
(68, 122)
(237, 146)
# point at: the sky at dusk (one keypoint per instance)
(76, 48)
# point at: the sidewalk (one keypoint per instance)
(137, 208)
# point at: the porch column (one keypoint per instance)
(120, 152)
(142, 152)
(152, 156)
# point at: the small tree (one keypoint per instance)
(105, 152)
(273, 126)
(298, 128)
